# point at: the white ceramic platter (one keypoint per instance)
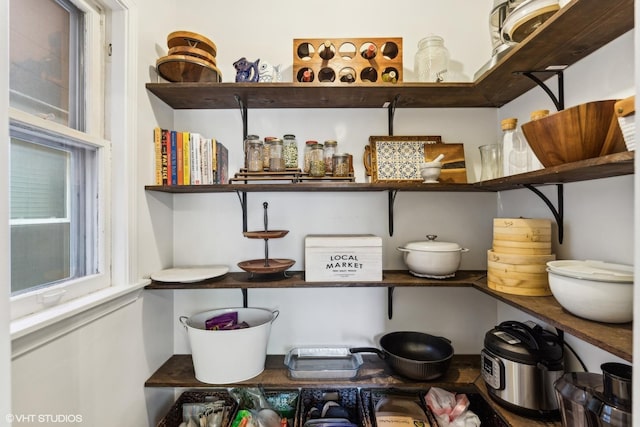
(190, 274)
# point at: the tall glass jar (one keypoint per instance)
(276, 156)
(290, 148)
(266, 150)
(330, 148)
(340, 164)
(254, 155)
(307, 155)
(246, 146)
(432, 60)
(316, 161)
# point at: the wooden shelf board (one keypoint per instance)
(237, 280)
(315, 187)
(614, 338)
(599, 167)
(574, 32)
(178, 371)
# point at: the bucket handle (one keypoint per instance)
(183, 320)
(275, 313)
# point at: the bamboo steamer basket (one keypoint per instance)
(518, 274)
(519, 259)
(522, 230)
(522, 248)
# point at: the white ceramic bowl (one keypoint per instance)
(430, 171)
(599, 300)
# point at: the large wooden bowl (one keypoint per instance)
(577, 133)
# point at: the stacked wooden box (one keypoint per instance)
(517, 264)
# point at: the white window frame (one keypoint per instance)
(116, 276)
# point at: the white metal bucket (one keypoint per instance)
(223, 357)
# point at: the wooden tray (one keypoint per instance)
(276, 265)
(269, 234)
(396, 158)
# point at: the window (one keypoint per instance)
(60, 161)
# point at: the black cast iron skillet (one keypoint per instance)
(414, 355)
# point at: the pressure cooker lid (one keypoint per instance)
(526, 343)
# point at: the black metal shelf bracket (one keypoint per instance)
(245, 297)
(558, 213)
(391, 110)
(244, 114)
(557, 101)
(392, 200)
(242, 196)
(390, 290)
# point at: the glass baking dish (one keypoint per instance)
(322, 363)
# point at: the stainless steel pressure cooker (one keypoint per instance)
(520, 363)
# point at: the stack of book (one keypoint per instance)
(188, 158)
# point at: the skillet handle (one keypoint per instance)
(382, 355)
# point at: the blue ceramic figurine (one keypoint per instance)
(246, 71)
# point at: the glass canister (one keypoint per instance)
(432, 60)
(253, 155)
(290, 148)
(491, 158)
(276, 156)
(307, 155)
(266, 150)
(246, 146)
(340, 164)
(316, 160)
(330, 148)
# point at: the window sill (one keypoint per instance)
(33, 331)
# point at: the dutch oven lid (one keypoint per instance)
(430, 245)
(523, 343)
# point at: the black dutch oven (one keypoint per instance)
(414, 355)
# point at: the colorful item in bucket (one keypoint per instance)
(225, 322)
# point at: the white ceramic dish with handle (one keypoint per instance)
(432, 259)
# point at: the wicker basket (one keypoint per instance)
(173, 418)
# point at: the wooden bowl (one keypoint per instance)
(577, 133)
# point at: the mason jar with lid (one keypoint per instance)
(307, 155)
(246, 146)
(290, 150)
(276, 159)
(330, 148)
(316, 161)
(340, 163)
(431, 60)
(253, 160)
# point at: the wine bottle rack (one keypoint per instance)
(340, 61)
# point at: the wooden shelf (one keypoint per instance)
(242, 280)
(463, 375)
(577, 30)
(600, 167)
(611, 337)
